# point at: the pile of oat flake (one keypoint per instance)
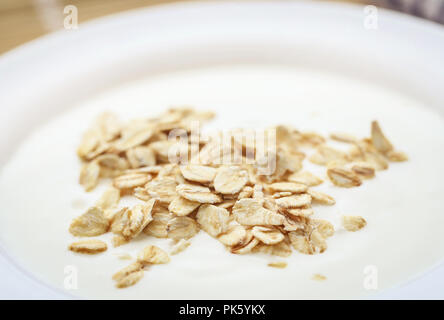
(246, 211)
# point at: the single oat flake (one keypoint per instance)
(343, 177)
(380, 142)
(197, 193)
(88, 246)
(318, 277)
(180, 246)
(129, 223)
(182, 207)
(90, 224)
(353, 223)
(267, 235)
(321, 198)
(291, 187)
(230, 180)
(197, 173)
(277, 264)
(250, 212)
(131, 180)
(212, 219)
(182, 228)
(130, 279)
(233, 236)
(129, 275)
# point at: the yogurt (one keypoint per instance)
(40, 194)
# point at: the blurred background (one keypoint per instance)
(25, 20)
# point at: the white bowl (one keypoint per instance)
(48, 76)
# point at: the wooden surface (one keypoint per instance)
(25, 20)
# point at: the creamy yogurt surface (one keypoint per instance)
(40, 194)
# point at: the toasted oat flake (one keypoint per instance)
(326, 154)
(129, 223)
(396, 156)
(343, 137)
(134, 267)
(245, 246)
(90, 142)
(227, 204)
(108, 126)
(377, 160)
(281, 194)
(301, 242)
(198, 193)
(182, 207)
(247, 192)
(89, 175)
(182, 228)
(250, 212)
(258, 193)
(294, 201)
(321, 198)
(141, 194)
(343, 177)
(319, 277)
(318, 241)
(363, 169)
(112, 161)
(230, 180)
(295, 223)
(153, 170)
(109, 199)
(110, 173)
(163, 189)
(129, 280)
(233, 236)
(131, 180)
(161, 149)
(278, 264)
(288, 186)
(135, 136)
(141, 157)
(119, 240)
(312, 138)
(198, 173)
(212, 219)
(90, 224)
(159, 226)
(300, 211)
(267, 235)
(88, 246)
(124, 256)
(380, 142)
(153, 255)
(353, 223)
(324, 227)
(281, 249)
